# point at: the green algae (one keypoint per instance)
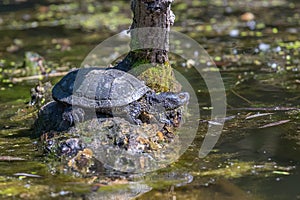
(265, 78)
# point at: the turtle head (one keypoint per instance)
(170, 100)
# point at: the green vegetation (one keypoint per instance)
(259, 60)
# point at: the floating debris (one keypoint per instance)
(10, 158)
(275, 123)
(281, 173)
(27, 175)
(258, 115)
(234, 33)
(264, 47)
(248, 16)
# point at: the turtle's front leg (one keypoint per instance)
(133, 111)
(165, 120)
(70, 116)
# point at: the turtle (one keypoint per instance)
(112, 92)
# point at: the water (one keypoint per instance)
(260, 69)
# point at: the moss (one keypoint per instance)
(160, 78)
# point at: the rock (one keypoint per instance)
(115, 142)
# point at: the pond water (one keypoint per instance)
(256, 46)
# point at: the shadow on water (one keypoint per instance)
(258, 154)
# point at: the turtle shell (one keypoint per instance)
(98, 88)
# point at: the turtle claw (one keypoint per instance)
(166, 122)
(137, 122)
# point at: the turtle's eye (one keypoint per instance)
(184, 97)
(173, 101)
(181, 96)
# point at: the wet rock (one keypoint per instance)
(114, 142)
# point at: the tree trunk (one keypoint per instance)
(149, 45)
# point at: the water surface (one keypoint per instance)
(259, 63)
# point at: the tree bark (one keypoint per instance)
(149, 31)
